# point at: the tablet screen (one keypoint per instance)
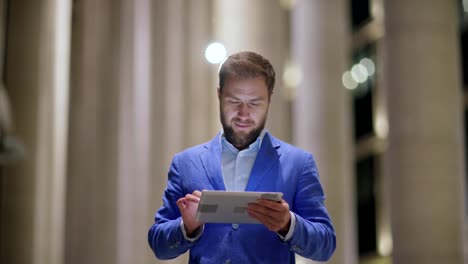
(230, 207)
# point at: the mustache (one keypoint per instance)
(243, 122)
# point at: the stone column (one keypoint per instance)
(92, 197)
(199, 87)
(52, 131)
(37, 76)
(182, 83)
(425, 151)
(168, 80)
(134, 88)
(260, 26)
(182, 88)
(322, 110)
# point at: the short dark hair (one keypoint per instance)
(247, 64)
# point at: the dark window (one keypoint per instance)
(363, 96)
(466, 155)
(363, 114)
(359, 13)
(366, 205)
(464, 53)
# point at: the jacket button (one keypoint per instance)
(235, 226)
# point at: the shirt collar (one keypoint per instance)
(255, 145)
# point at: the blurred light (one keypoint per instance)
(385, 244)
(465, 5)
(292, 76)
(348, 81)
(215, 53)
(369, 65)
(381, 126)
(377, 9)
(359, 73)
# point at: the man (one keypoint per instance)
(245, 157)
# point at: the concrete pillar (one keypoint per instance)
(167, 98)
(134, 126)
(111, 119)
(322, 110)
(425, 154)
(383, 179)
(33, 194)
(200, 88)
(91, 230)
(174, 80)
(184, 105)
(159, 152)
(183, 101)
(134, 132)
(260, 26)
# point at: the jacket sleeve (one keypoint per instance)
(314, 235)
(165, 236)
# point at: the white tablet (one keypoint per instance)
(230, 207)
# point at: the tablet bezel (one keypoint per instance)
(230, 206)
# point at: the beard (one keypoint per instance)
(241, 140)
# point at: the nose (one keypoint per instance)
(242, 110)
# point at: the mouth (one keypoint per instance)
(242, 125)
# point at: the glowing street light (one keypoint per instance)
(215, 53)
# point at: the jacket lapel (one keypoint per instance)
(211, 161)
(267, 158)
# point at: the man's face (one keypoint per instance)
(243, 108)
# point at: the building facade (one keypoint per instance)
(97, 96)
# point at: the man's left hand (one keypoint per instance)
(274, 215)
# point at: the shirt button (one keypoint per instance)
(228, 261)
(235, 227)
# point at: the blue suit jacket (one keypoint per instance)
(279, 167)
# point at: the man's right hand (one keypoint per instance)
(188, 208)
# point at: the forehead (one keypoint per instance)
(248, 86)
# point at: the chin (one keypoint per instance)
(243, 132)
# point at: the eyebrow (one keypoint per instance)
(256, 99)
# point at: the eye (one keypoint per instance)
(255, 103)
(233, 101)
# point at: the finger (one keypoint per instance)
(197, 193)
(265, 211)
(181, 203)
(277, 206)
(271, 223)
(268, 215)
(261, 216)
(256, 208)
(192, 198)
